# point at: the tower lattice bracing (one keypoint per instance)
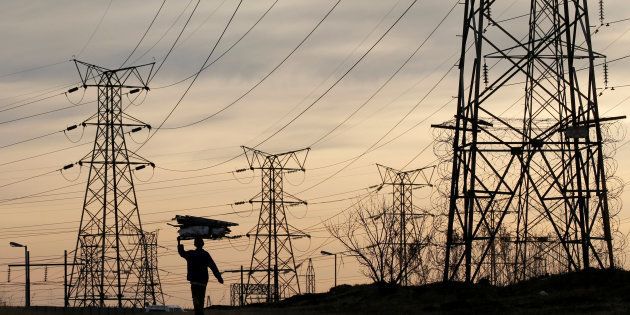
(149, 272)
(407, 220)
(111, 250)
(528, 182)
(273, 273)
(310, 277)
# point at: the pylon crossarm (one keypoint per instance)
(297, 231)
(138, 121)
(260, 160)
(391, 176)
(287, 203)
(120, 124)
(90, 75)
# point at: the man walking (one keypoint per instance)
(198, 261)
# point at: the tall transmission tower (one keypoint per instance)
(539, 173)
(310, 277)
(111, 247)
(404, 215)
(272, 269)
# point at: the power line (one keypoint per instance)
(369, 149)
(69, 128)
(43, 194)
(617, 21)
(210, 15)
(176, 40)
(224, 52)
(145, 33)
(33, 68)
(264, 77)
(330, 75)
(43, 154)
(340, 78)
(98, 25)
(23, 228)
(29, 178)
(375, 147)
(165, 33)
(391, 77)
(194, 79)
(322, 95)
(31, 139)
(45, 113)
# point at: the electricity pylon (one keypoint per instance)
(272, 270)
(111, 247)
(541, 173)
(149, 272)
(407, 231)
(310, 277)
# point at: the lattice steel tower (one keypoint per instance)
(149, 273)
(111, 246)
(405, 217)
(273, 273)
(310, 277)
(540, 172)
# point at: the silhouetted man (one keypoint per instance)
(198, 261)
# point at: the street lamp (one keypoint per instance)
(27, 284)
(325, 253)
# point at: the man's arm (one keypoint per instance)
(214, 269)
(180, 248)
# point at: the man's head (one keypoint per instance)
(198, 242)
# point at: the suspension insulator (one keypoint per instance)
(605, 73)
(601, 12)
(485, 74)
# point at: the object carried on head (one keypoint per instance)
(191, 227)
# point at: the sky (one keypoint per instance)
(305, 78)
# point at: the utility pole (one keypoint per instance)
(111, 244)
(66, 301)
(405, 218)
(540, 172)
(27, 273)
(325, 253)
(272, 263)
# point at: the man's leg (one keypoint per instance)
(198, 294)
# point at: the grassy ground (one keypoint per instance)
(588, 292)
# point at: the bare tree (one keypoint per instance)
(371, 234)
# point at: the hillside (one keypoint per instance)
(595, 291)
